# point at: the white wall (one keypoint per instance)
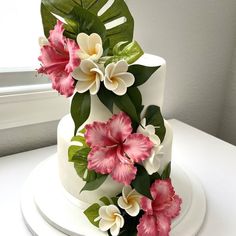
(197, 38)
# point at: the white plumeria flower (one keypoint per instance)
(117, 79)
(130, 201)
(90, 46)
(151, 164)
(89, 77)
(110, 218)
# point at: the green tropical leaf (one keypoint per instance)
(92, 213)
(105, 200)
(166, 172)
(96, 183)
(142, 182)
(141, 73)
(154, 177)
(80, 109)
(106, 97)
(131, 52)
(154, 117)
(136, 97)
(119, 9)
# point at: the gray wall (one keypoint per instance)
(197, 39)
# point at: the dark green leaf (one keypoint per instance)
(105, 200)
(154, 177)
(142, 182)
(48, 20)
(89, 186)
(154, 117)
(136, 98)
(141, 73)
(114, 200)
(166, 172)
(80, 109)
(105, 96)
(122, 32)
(126, 104)
(92, 213)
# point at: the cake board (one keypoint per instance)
(48, 209)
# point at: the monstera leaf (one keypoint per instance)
(117, 18)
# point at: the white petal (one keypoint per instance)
(120, 67)
(83, 42)
(126, 191)
(127, 78)
(152, 164)
(108, 70)
(121, 89)
(122, 203)
(103, 213)
(115, 230)
(83, 86)
(82, 54)
(99, 50)
(155, 139)
(78, 74)
(111, 210)
(110, 85)
(104, 225)
(150, 129)
(121, 219)
(43, 41)
(87, 65)
(134, 210)
(94, 39)
(95, 87)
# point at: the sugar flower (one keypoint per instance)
(88, 76)
(117, 79)
(59, 58)
(115, 148)
(151, 164)
(160, 211)
(110, 218)
(130, 201)
(90, 46)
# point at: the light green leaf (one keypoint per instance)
(166, 172)
(105, 200)
(141, 73)
(130, 52)
(142, 182)
(154, 117)
(80, 109)
(80, 139)
(92, 213)
(92, 185)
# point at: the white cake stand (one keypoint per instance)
(49, 210)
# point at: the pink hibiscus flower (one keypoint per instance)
(59, 58)
(158, 212)
(115, 149)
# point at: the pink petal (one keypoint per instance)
(97, 135)
(56, 37)
(66, 85)
(162, 191)
(102, 160)
(124, 172)
(146, 205)
(174, 209)
(147, 226)
(74, 60)
(163, 225)
(138, 147)
(119, 127)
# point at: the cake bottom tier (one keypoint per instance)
(50, 210)
(73, 183)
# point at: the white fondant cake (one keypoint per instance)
(152, 93)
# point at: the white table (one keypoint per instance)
(212, 160)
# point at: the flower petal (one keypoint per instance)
(124, 173)
(115, 229)
(134, 209)
(83, 42)
(146, 205)
(127, 78)
(162, 191)
(83, 86)
(163, 225)
(138, 147)
(152, 164)
(103, 213)
(119, 127)
(105, 225)
(95, 87)
(120, 67)
(173, 210)
(121, 88)
(97, 135)
(102, 160)
(147, 226)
